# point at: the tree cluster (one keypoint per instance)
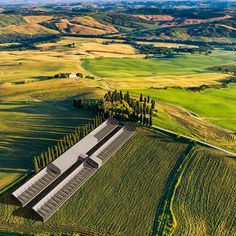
(65, 143)
(151, 49)
(121, 106)
(224, 69)
(27, 42)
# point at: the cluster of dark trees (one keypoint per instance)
(28, 43)
(230, 48)
(224, 69)
(65, 143)
(151, 49)
(223, 84)
(121, 106)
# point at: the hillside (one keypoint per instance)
(154, 24)
(6, 20)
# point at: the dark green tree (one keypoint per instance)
(36, 165)
(43, 160)
(141, 97)
(150, 120)
(153, 104)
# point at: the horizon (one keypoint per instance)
(39, 2)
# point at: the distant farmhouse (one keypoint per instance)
(67, 75)
(86, 156)
(72, 76)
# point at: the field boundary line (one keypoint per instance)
(194, 140)
(164, 221)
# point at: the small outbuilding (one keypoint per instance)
(72, 76)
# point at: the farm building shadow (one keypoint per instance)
(8, 199)
(42, 125)
(25, 212)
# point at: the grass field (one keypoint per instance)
(134, 179)
(181, 70)
(133, 183)
(205, 200)
(215, 105)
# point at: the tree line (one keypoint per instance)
(66, 143)
(151, 49)
(224, 69)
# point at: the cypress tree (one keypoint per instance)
(153, 104)
(109, 96)
(148, 99)
(141, 97)
(82, 131)
(77, 136)
(147, 109)
(56, 151)
(62, 144)
(85, 130)
(150, 120)
(144, 119)
(36, 165)
(43, 160)
(106, 97)
(59, 150)
(53, 154)
(121, 95)
(46, 159)
(71, 140)
(128, 98)
(49, 155)
(67, 141)
(39, 162)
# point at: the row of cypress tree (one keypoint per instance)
(66, 143)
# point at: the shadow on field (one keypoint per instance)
(41, 125)
(25, 212)
(8, 199)
(42, 78)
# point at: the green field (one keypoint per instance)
(205, 200)
(132, 182)
(143, 76)
(215, 105)
(177, 65)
